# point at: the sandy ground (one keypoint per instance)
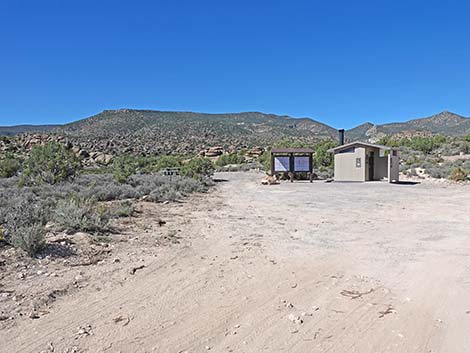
(322, 267)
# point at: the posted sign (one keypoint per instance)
(301, 164)
(281, 164)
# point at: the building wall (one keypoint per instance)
(394, 163)
(346, 169)
(380, 164)
(345, 165)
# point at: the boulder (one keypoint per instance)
(103, 158)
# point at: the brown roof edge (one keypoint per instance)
(292, 150)
(360, 143)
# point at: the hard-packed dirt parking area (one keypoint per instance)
(295, 267)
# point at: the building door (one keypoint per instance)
(371, 166)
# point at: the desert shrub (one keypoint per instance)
(458, 174)
(229, 158)
(164, 162)
(124, 209)
(29, 238)
(123, 167)
(187, 186)
(323, 158)
(198, 168)
(435, 173)
(165, 192)
(110, 191)
(106, 188)
(464, 147)
(23, 224)
(425, 144)
(9, 166)
(265, 160)
(324, 173)
(77, 213)
(50, 163)
(160, 188)
(71, 205)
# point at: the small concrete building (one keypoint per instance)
(361, 161)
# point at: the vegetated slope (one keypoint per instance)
(148, 131)
(360, 132)
(21, 129)
(445, 123)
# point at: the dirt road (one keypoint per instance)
(289, 268)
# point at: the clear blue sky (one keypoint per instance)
(341, 62)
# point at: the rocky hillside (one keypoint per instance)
(148, 131)
(445, 123)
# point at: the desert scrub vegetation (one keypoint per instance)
(50, 187)
(459, 174)
(197, 168)
(230, 158)
(79, 213)
(126, 166)
(51, 163)
(429, 153)
(23, 224)
(77, 204)
(123, 209)
(425, 144)
(10, 165)
(430, 145)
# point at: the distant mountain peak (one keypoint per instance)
(445, 123)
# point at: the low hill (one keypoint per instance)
(151, 131)
(148, 131)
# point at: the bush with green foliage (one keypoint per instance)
(425, 144)
(30, 238)
(50, 163)
(230, 158)
(321, 157)
(23, 224)
(265, 160)
(459, 174)
(71, 205)
(9, 165)
(168, 161)
(123, 167)
(126, 165)
(197, 168)
(124, 209)
(77, 213)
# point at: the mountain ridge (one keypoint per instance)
(192, 130)
(24, 128)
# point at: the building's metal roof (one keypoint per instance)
(362, 144)
(291, 150)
